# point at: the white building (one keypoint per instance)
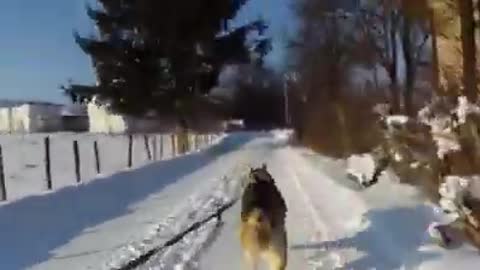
(29, 116)
(74, 118)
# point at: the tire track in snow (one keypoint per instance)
(321, 212)
(327, 260)
(289, 174)
(183, 254)
(317, 220)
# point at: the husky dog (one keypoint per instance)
(262, 232)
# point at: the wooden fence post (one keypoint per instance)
(76, 155)
(130, 150)
(161, 147)
(188, 146)
(154, 146)
(181, 143)
(97, 157)
(197, 143)
(147, 147)
(173, 146)
(48, 171)
(3, 187)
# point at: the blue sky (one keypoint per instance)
(38, 53)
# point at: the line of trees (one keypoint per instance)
(399, 52)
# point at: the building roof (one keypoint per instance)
(74, 110)
(14, 103)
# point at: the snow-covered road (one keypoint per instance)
(110, 221)
(331, 226)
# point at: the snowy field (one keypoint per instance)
(105, 223)
(24, 158)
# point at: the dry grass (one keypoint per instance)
(342, 129)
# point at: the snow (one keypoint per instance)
(393, 120)
(102, 121)
(442, 117)
(465, 108)
(110, 221)
(442, 133)
(452, 192)
(80, 226)
(333, 227)
(454, 187)
(361, 167)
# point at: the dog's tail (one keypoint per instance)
(256, 231)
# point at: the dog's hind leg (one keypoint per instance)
(276, 254)
(275, 260)
(251, 261)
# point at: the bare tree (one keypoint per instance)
(468, 48)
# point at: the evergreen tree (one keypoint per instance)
(161, 55)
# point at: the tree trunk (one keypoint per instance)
(468, 48)
(409, 66)
(335, 89)
(182, 129)
(435, 65)
(346, 142)
(393, 63)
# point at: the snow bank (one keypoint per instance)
(442, 133)
(465, 108)
(282, 134)
(393, 120)
(443, 117)
(452, 191)
(361, 167)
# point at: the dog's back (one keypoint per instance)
(263, 214)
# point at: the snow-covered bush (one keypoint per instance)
(439, 151)
(452, 192)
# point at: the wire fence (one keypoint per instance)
(33, 163)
